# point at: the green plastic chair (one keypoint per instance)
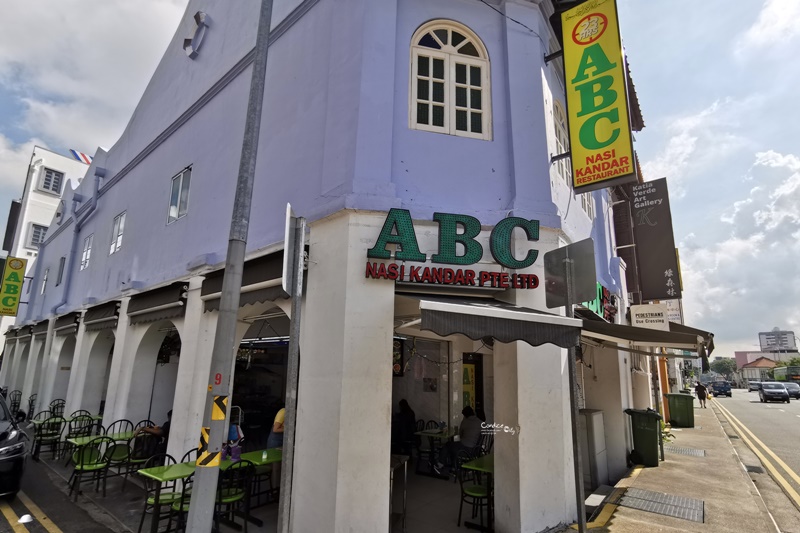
(166, 497)
(118, 456)
(233, 491)
(473, 492)
(143, 447)
(78, 426)
(48, 434)
(180, 508)
(91, 464)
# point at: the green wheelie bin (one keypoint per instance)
(681, 410)
(646, 425)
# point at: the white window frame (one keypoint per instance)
(451, 57)
(563, 166)
(587, 204)
(87, 251)
(118, 229)
(181, 205)
(31, 233)
(44, 280)
(43, 177)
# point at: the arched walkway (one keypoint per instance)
(155, 372)
(97, 372)
(64, 368)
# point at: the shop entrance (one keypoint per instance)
(259, 382)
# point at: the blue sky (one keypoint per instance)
(715, 79)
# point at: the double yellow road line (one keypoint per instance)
(757, 446)
(35, 512)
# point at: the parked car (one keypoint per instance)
(793, 389)
(753, 385)
(14, 450)
(721, 388)
(773, 392)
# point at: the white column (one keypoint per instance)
(80, 364)
(126, 387)
(121, 351)
(30, 371)
(197, 340)
(11, 379)
(534, 476)
(8, 361)
(341, 469)
(45, 391)
(56, 345)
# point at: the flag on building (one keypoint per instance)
(80, 156)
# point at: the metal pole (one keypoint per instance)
(292, 371)
(201, 509)
(654, 370)
(573, 401)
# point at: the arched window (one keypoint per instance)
(562, 142)
(450, 82)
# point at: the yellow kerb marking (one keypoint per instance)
(38, 514)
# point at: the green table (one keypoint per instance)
(164, 474)
(96, 418)
(485, 465)
(82, 441)
(435, 435)
(438, 434)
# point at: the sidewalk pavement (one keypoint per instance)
(730, 500)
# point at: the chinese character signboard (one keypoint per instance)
(13, 278)
(597, 99)
(659, 276)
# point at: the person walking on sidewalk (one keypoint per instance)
(702, 393)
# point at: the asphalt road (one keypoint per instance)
(766, 436)
(43, 506)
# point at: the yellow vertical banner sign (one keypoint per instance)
(13, 278)
(469, 385)
(601, 147)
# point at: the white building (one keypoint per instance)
(777, 341)
(48, 175)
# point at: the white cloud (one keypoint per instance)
(771, 158)
(749, 277)
(82, 66)
(14, 161)
(698, 140)
(777, 24)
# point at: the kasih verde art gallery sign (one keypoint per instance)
(454, 229)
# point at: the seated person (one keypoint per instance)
(404, 425)
(469, 435)
(159, 431)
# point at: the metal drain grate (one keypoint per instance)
(664, 504)
(754, 469)
(685, 451)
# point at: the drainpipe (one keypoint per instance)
(99, 173)
(29, 307)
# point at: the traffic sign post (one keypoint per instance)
(570, 278)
